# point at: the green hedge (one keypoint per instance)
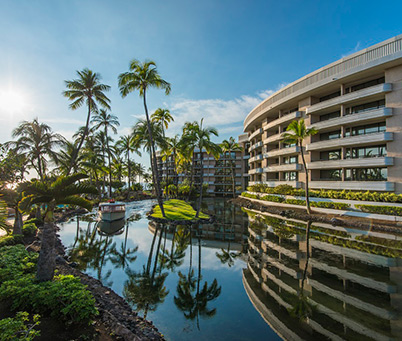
(11, 240)
(275, 198)
(330, 194)
(29, 229)
(389, 210)
(64, 297)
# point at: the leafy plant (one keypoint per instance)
(389, 210)
(18, 328)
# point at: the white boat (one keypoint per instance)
(110, 211)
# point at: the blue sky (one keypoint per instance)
(221, 57)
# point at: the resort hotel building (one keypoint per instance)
(355, 104)
(216, 173)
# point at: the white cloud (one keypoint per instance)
(225, 115)
(355, 49)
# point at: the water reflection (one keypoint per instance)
(317, 281)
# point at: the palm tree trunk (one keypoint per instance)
(155, 166)
(151, 251)
(306, 171)
(201, 182)
(17, 229)
(191, 177)
(110, 165)
(46, 260)
(129, 171)
(77, 151)
(233, 179)
(307, 256)
(40, 168)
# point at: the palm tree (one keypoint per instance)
(296, 133)
(228, 147)
(141, 137)
(64, 190)
(127, 143)
(202, 138)
(106, 121)
(163, 117)
(140, 77)
(35, 140)
(68, 157)
(86, 89)
(172, 147)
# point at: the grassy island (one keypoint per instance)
(177, 210)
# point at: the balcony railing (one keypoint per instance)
(282, 168)
(352, 96)
(354, 185)
(284, 119)
(354, 118)
(255, 133)
(351, 140)
(352, 163)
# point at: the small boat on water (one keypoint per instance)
(111, 210)
(111, 228)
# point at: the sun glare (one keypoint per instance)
(12, 101)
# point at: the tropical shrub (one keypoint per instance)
(35, 221)
(11, 240)
(19, 328)
(389, 210)
(64, 297)
(29, 229)
(274, 198)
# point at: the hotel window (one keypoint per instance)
(331, 135)
(290, 176)
(363, 152)
(289, 160)
(330, 116)
(365, 107)
(366, 129)
(365, 85)
(330, 155)
(331, 174)
(327, 97)
(366, 174)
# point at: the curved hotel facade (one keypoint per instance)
(356, 105)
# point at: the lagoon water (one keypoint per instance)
(239, 278)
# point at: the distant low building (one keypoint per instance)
(216, 173)
(356, 104)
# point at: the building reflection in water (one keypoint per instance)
(352, 287)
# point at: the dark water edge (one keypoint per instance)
(239, 278)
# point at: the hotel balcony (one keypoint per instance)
(284, 119)
(352, 140)
(353, 185)
(352, 163)
(255, 171)
(256, 145)
(354, 118)
(282, 151)
(352, 96)
(256, 158)
(273, 138)
(281, 168)
(255, 133)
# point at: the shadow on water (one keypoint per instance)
(307, 280)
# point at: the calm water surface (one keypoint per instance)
(242, 277)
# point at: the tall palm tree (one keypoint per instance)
(127, 143)
(86, 89)
(163, 117)
(36, 140)
(296, 133)
(67, 157)
(106, 121)
(141, 77)
(141, 136)
(202, 138)
(64, 190)
(228, 147)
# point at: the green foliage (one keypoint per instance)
(251, 196)
(11, 240)
(64, 297)
(389, 210)
(35, 221)
(29, 229)
(273, 198)
(330, 194)
(18, 328)
(177, 210)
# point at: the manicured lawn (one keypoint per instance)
(177, 210)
